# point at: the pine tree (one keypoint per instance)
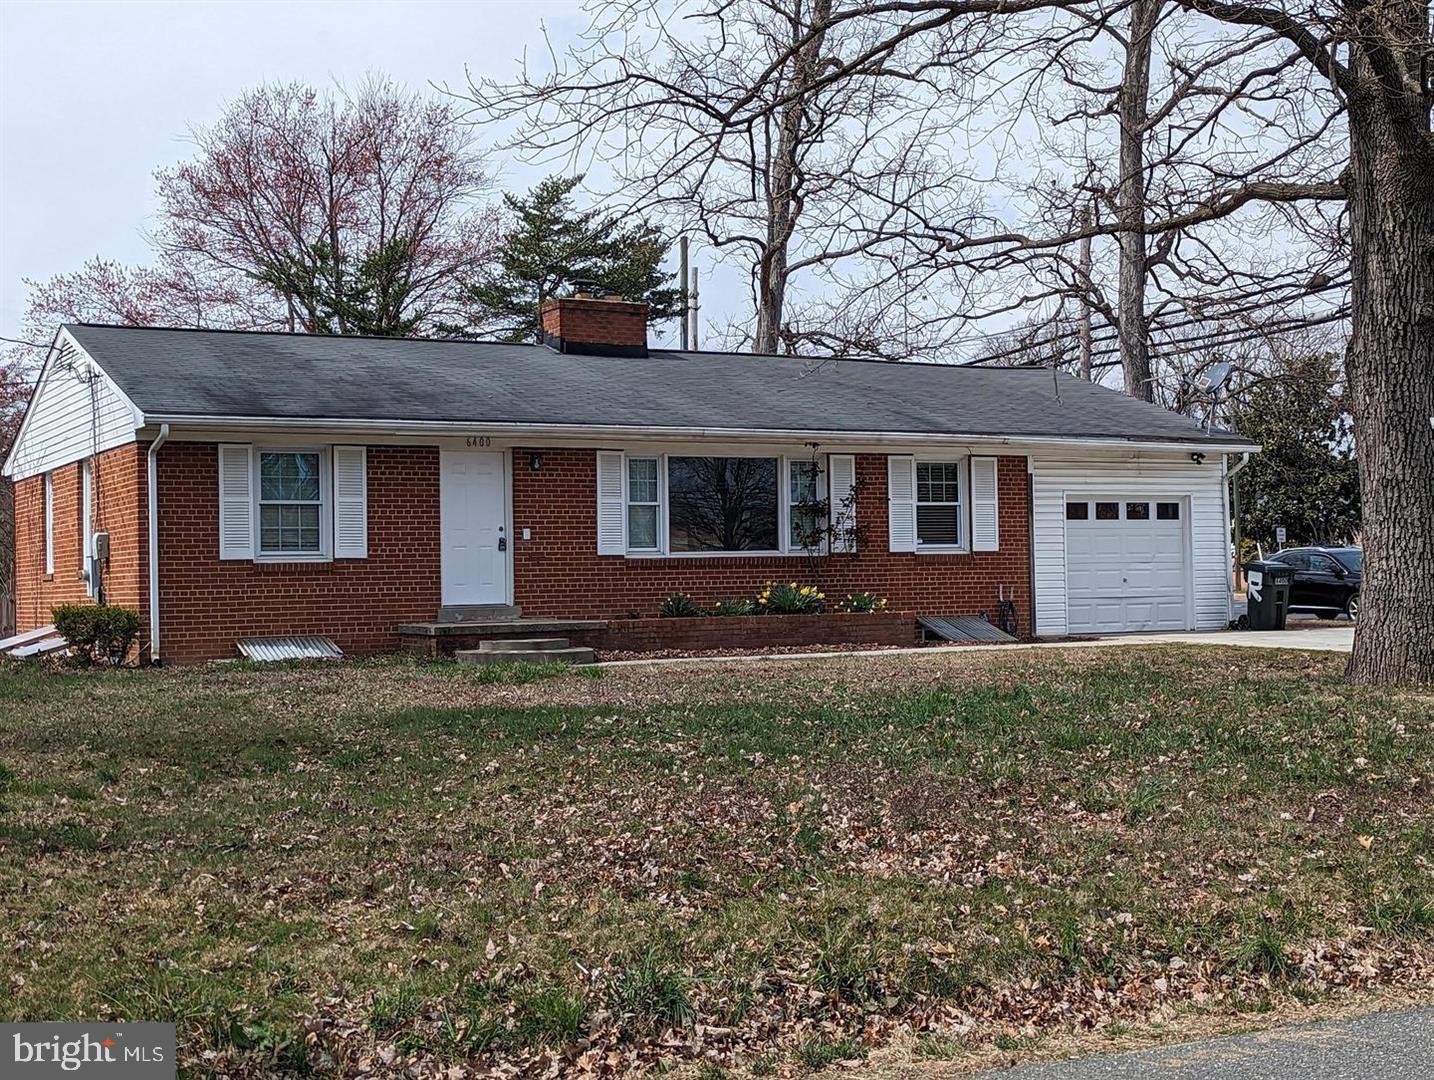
(550, 243)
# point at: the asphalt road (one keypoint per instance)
(1397, 1045)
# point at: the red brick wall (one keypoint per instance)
(596, 322)
(756, 631)
(118, 506)
(559, 573)
(206, 603)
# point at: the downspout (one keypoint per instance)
(1233, 507)
(152, 475)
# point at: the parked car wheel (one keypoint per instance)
(1351, 606)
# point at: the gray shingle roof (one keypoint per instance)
(214, 373)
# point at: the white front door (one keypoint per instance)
(472, 518)
(1127, 565)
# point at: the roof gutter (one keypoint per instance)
(152, 476)
(450, 428)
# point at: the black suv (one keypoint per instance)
(1326, 579)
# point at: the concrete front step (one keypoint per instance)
(571, 655)
(471, 613)
(532, 644)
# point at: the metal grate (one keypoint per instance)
(292, 647)
(963, 628)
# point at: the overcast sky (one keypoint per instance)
(95, 96)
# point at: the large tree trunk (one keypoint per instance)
(1391, 367)
(1134, 114)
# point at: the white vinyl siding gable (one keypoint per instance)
(350, 471)
(77, 412)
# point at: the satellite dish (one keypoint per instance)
(1212, 378)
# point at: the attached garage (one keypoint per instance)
(1129, 543)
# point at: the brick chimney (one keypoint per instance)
(593, 322)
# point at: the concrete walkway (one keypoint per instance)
(1318, 636)
(1396, 1045)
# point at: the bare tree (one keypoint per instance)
(717, 116)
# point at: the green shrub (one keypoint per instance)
(97, 632)
(790, 599)
(863, 601)
(680, 606)
(740, 606)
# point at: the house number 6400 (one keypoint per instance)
(480, 440)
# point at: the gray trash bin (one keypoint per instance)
(1267, 586)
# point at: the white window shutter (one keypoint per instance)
(985, 531)
(901, 502)
(236, 501)
(611, 517)
(841, 486)
(350, 502)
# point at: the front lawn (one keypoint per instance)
(773, 866)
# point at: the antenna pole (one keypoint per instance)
(1084, 326)
(696, 307)
(686, 301)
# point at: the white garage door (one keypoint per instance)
(1127, 566)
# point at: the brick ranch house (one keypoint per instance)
(256, 484)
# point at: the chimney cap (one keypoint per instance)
(586, 289)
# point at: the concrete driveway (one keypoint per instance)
(1396, 1045)
(1323, 636)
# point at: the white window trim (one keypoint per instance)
(49, 508)
(659, 473)
(326, 507)
(787, 505)
(87, 531)
(784, 493)
(962, 504)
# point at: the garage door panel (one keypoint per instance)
(1140, 615)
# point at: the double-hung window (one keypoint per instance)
(642, 504)
(939, 514)
(49, 509)
(291, 502)
(807, 508)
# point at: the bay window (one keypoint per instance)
(938, 504)
(291, 500)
